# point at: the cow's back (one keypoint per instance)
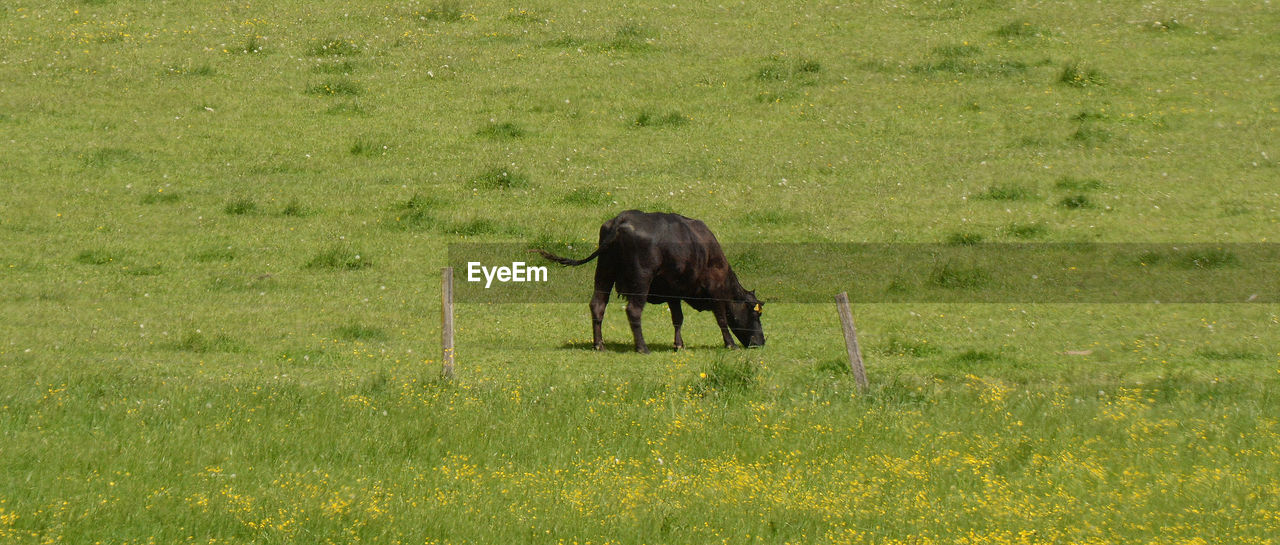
(667, 256)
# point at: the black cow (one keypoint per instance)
(668, 258)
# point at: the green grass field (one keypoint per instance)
(222, 225)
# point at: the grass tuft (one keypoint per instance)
(416, 213)
(499, 177)
(769, 217)
(475, 227)
(1236, 207)
(295, 209)
(1074, 74)
(1228, 354)
(252, 45)
(648, 119)
(747, 261)
(444, 12)
(366, 147)
(907, 347)
(1208, 258)
(964, 65)
(1006, 192)
(1027, 230)
(525, 16)
(777, 68)
(154, 269)
(951, 276)
(333, 47)
(215, 253)
(357, 332)
(1090, 134)
(961, 50)
(727, 374)
(1001, 68)
(1018, 30)
(500, 131)
(959, 59)
(770, 97)
(340, 258)
(772, 72)
(566, 41)
(240, 207)
(416, 219)
(109, 157)
(1076, 202)
(422, 202)
(587, 196)
(808, 66)
(95, 257)
(197, 342)
(1079, 184)
(1089, 115)
(835, 366)
(1169, 24)
(977, 356)
(632, 37)
(200, 70)
(551, 243)
(160, 197)
(964, 239)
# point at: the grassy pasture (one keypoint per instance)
(221, 227)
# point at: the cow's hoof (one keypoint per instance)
(679, 347)
(600, 347)
(642, 350)
(731, 346)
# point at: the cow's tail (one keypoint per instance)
(565, 260)
(608, 233)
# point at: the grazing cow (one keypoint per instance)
(668, 258)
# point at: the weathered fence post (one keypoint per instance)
(446, 321)
(851, 341)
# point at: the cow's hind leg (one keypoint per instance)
(635, 307)
(677, 320)
(599, 299)
(635, 287)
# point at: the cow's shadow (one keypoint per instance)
(629, 347)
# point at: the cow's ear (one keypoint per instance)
(759, 308)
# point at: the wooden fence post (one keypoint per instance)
(446, 321)
(851, 341)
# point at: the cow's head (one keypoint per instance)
(744, 320)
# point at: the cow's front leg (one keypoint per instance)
(723, 322)
(635, 307)
(677, 320)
